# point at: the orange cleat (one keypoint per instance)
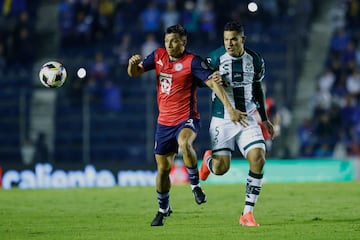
(248, 220)
(204, 170)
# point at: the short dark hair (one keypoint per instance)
(179, 29)
(234, 26)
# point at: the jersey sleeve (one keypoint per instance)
(200, 69)
(259, 65)
(258, 92)
(259, 98)
(213, 58)
(148, 62)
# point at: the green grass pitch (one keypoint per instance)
(285, 211)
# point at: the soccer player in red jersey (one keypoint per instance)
(178, 73)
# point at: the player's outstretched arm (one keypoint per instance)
(134, 68)
(214, 83)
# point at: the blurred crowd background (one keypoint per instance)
(107, 117)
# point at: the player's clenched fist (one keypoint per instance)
(216, 77)
(134, 69)
(135, 60)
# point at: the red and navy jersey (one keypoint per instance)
(176, 83)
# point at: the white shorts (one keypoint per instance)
(224, 134)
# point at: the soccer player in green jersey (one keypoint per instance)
(242, 71)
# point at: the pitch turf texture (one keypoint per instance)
(285, 211)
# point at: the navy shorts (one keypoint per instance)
(166, 136)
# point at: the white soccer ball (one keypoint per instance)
(52, 74)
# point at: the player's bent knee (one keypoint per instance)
(220, 169)
(163, 171)
(258, 163)
(185, 147)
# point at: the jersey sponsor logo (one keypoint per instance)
(160, 62)
(238, 75)
(165, 82)
(224, 68)
(178, 67)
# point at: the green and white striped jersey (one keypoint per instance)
(239, 75)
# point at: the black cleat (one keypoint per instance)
(199, 195)
(160, 218)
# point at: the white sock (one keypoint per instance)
(253, 188)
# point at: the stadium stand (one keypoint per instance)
(16, 58)
(335, 113)
(83, 131)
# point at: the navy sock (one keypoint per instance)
(193, 175)
(163, 200)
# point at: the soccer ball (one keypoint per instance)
(52, 74)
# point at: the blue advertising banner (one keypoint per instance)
(47, 176)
